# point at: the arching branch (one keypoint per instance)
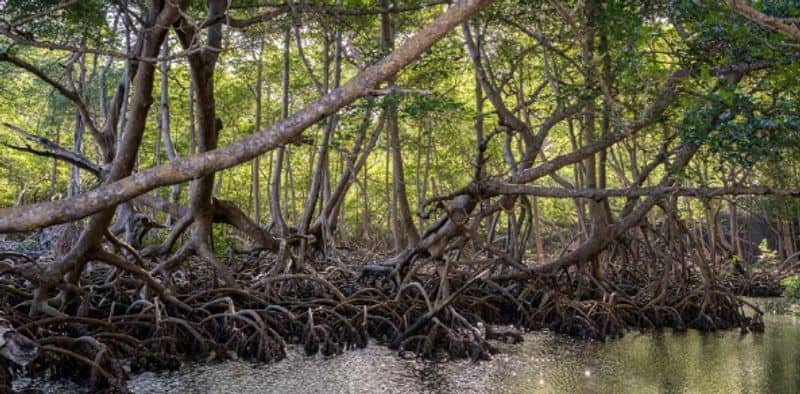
(44, 214)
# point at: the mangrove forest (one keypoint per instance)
(193, 185)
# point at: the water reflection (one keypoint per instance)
(664, 362)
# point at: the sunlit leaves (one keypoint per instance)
(84, 22)
(745, 131)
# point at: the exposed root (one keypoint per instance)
(438, 310)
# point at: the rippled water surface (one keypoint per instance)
(664, 362)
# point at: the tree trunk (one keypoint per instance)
(80, 128)
(321, 166)
(202, 65)
(409, 236)
(122, 162)
(169, 147)
(277, 169)
(256, 163)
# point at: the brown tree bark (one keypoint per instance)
(256, 163)
(160, 17)
(169, 147)
(408, 234)
(320, 169)
(277, 170)
(43, 214)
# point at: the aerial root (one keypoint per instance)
(331, 311)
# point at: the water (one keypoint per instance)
(664, 362)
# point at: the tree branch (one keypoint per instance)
(70, 94)
(44, 214)
(770, 22)
(52, 150)
(497, 187)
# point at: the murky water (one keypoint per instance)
(664, 362)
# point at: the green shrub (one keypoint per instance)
(767, 256)
(791, 287)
